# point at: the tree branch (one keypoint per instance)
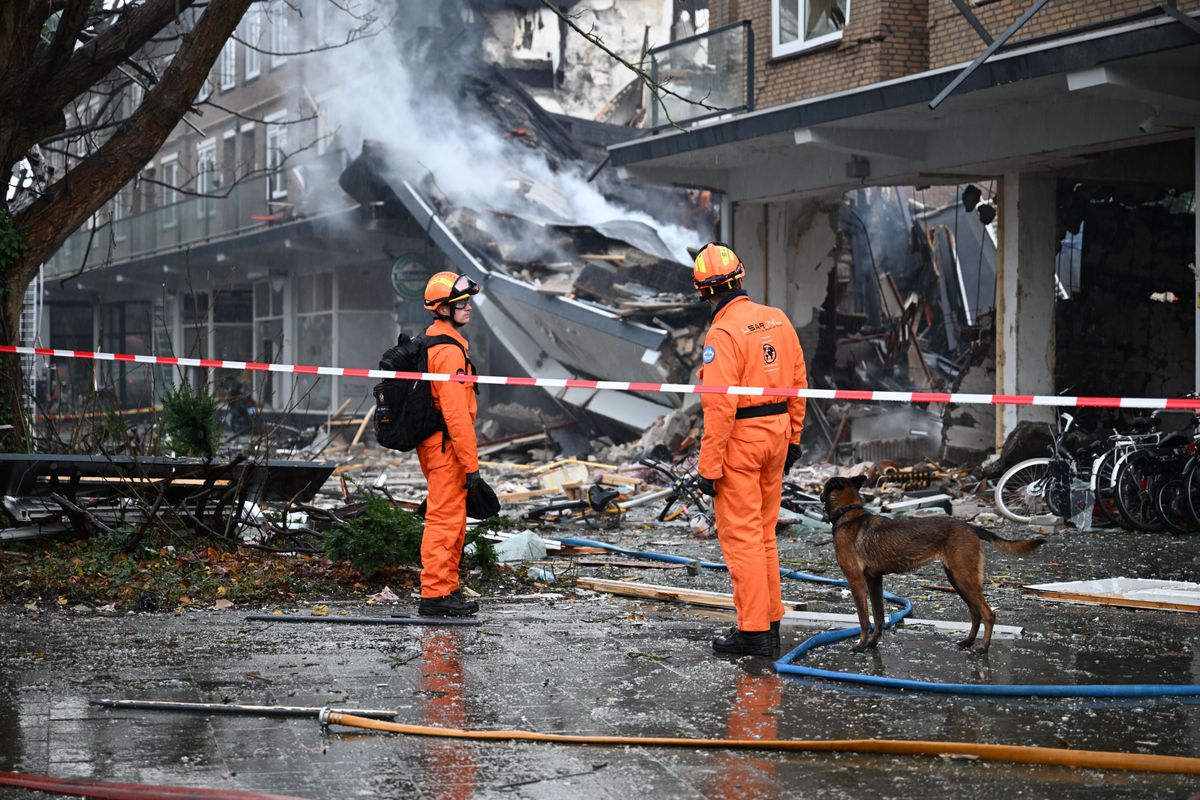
(48, 221)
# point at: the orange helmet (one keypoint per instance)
(448, 287)
(716, 266)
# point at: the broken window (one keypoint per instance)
(799, 24)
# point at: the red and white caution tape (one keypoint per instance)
(636, 386)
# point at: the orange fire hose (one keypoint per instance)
(1022, 754)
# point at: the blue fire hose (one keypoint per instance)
(785, 666)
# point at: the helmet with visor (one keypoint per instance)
(450, 289)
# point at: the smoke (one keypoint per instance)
(407, 96)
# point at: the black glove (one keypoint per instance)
(473, 481)
(706, 486)
(793, 455)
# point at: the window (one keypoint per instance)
(137, 93)
(227, 66)
(207, 180)
(278, 38)
(314, 337)
(268, 337)
(253, 59)
(800, 24)
(276, 155)
(120, 210)
(170, 180)
(206, 89)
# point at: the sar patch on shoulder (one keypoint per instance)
(709, 354)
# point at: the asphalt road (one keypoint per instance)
(579, 662)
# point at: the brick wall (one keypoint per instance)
(886, 39)
(952, 40)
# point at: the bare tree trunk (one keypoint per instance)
(66, 204)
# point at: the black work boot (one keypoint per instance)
(452, 605)
(738, 642)
(775, 640)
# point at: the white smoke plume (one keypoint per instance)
(382, 95)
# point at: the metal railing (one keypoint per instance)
(712, 73)
(196, 219)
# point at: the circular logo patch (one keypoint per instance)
(709, 354)
(768, 354)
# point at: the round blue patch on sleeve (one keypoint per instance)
(709, 354)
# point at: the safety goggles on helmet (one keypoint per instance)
(716, 266)
(449, 288)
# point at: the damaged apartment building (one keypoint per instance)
(1046, 151)
(296, 215)
(1012, 238)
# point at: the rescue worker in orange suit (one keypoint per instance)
(749, 442)
(449, 458)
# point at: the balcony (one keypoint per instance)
(713, 74)
(195, 220)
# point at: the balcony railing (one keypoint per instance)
(196, 219)
(712, 73)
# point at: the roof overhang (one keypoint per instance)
(1036, 108)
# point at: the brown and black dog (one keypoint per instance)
(869, 547)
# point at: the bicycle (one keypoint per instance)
(682, 490)
(1046, 484)
(599, 509)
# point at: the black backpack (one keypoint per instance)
(404, 411)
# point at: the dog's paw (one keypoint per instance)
(980, 651)
(859, 648)
(966, 643)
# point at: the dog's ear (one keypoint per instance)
(858, 481)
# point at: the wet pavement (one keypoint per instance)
(583, 663)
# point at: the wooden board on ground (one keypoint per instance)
(672, 593)
(1124, 592)
(794, 611)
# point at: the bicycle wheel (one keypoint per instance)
(1103, 481)
(1191, 482)
(1171, 504)
(1020, 492)
(1133, 496)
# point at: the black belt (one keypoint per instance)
(765, 410)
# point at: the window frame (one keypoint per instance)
(227, 66)
(204, 178)
(800, 45)
(275, 140)
(277, 36)
(170, 189)
(252, 57)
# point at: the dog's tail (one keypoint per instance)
(1016, 547)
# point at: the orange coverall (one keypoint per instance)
(445, 463)
(750, 345)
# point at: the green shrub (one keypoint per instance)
(381, 536)
(190, 420)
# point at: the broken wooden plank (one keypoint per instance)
(528, 494)
(1124, 592)
(651, 591)
(794, 611)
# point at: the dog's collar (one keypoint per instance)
(837, 515)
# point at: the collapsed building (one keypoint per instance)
(585, 272)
